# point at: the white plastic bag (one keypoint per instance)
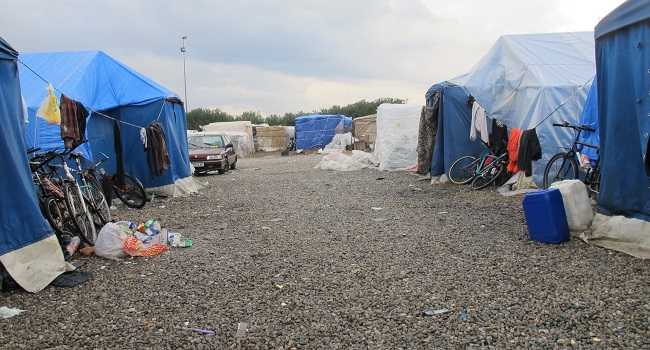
(577, 205)
(111, 239)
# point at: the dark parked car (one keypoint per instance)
(211, 152)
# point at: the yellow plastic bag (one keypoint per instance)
(49, 109)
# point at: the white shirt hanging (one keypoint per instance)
(143, 137)
(479, 125)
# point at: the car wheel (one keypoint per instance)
(233, 166)
(225, 168)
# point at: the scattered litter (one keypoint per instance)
(274, 220)
(162, 207)
(437, 312)
(104, 266)
(379, 219)
(266, 228)
(443, 212)
(203, 331)
(242, 328)
(73, 245)
(377, 208)
(178, 241)
(464, 315)
(87, 251)
(596, 340)
(279, 286)
(283, 304)
(7, 312)
(119, 239)
(381, 178)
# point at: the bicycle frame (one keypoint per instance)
(591, 173)
(482, 168)
(73, 181)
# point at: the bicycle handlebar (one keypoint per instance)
(575, 127)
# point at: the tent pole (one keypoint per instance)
(183, 51)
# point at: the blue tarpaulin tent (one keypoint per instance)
(102, 84)
(454, 117)
(529, 81)
(21, 222)
(317, 130)
(589, 117)
(24, 232)
(623, 60)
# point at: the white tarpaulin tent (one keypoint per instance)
(241, 133)
(524, 79)
(397, 130)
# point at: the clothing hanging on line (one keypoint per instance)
(157, 154)
(529, 151)
(498, 138)
(513, 150)
(479, 126)
(143, 137)
(73, 122)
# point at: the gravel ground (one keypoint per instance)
(300, 257)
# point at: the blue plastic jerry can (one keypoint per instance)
(545, 216)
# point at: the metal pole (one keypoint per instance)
(183, 51)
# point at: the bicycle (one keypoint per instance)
(92, 192)
(479, 171)
(127, 188)
(565, 165)
(49, 192)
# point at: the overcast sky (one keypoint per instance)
(287, 55)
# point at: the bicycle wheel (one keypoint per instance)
(563, 166)
(463, 170)
(81, 219)
(131, 192)
(97, 201)
(487, 175)
(54, 213)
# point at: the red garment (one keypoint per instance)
(513, 150)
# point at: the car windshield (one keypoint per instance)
(204, 141)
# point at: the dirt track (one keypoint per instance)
(299, 255)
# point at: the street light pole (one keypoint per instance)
(183, 51)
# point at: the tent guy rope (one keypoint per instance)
(90, 109)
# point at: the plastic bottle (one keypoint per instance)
(73, 245)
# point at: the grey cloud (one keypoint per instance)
(249, 53)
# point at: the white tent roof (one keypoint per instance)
(533, 80)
